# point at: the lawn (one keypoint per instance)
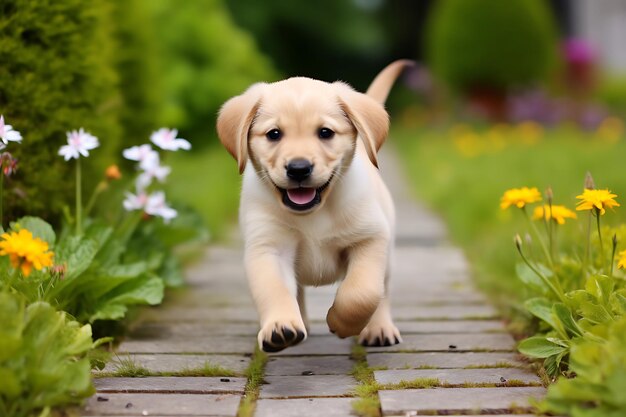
(462, 172)
(207, 180)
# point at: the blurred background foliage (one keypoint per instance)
(123, 68)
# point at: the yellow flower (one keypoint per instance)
(622, 260)
(556, 213)
(519, 197)
(25, 251)
(596, 199)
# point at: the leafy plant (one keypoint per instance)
(43, 358)
(581, 305)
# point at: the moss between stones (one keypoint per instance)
(254, 373)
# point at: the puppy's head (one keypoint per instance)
(300, 135)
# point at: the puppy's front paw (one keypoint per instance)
(276, 336)
(344, 324)
(383, 333)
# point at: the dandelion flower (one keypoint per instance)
(622, 260)
(25, 251)
(596, 199)
(556, 213)
(79, 143)
(166, 139)
(8, 134)
(519, 197)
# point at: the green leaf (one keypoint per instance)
(77, 254)
(38, 227)
(541, 308)
(601, 287)
(539, 347)
(529, 277)
(564, 317)
(10, 385)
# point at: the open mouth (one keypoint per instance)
(303, 198)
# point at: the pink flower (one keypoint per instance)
(8, 134)
(138, 153)
(166, 139)
(79, 143)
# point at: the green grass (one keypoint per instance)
(254, 373)
(464, 184)
(128, 367)
(208, 181)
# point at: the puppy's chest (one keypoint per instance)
(320, 263)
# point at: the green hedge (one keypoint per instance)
(490, 44)
(56, 75)
(205, 59)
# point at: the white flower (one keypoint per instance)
(79, 143)
(135, 202)
(156, 206)
(153, 204)
(7, 134)
(138, 153)
(166, 139)
(152, 168)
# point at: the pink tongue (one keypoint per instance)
(301, 195)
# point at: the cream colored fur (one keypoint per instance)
(347, 237)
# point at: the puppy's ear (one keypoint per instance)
(234, 122)
(368, 117)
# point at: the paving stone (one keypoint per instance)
(441, 360)
(223, 344)
(176, 363)
(309, 407)
(431, 297)
(458, 400)
(203, 314)
(204, 297)
(453, 342)
(460, 376)
(450, 326)
(164, 384)
(162, 405)
(309, 365)
(307, 386)
(450, 312)
(319, 345)
(159, 330)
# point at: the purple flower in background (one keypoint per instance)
(578, 51)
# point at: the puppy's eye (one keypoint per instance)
(325, 133)
(274, 135)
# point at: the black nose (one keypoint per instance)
(299, 169)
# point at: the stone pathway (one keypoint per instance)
(452, 338)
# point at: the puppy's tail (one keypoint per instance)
(380, 87)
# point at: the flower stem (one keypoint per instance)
(587, 249)
(556, 290)
(102, 185)
(600, 237)
(1, 200)
(79, 199)
(538, 236)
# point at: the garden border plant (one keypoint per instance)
(58, 284)
(580, 302)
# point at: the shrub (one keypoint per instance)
(56, 74)
(205, 60)
(490, 44)
(43, 361)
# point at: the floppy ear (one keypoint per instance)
(234, 121)
(368, 117)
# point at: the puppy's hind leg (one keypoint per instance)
(380, 331)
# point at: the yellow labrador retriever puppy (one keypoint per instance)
(314, 209)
